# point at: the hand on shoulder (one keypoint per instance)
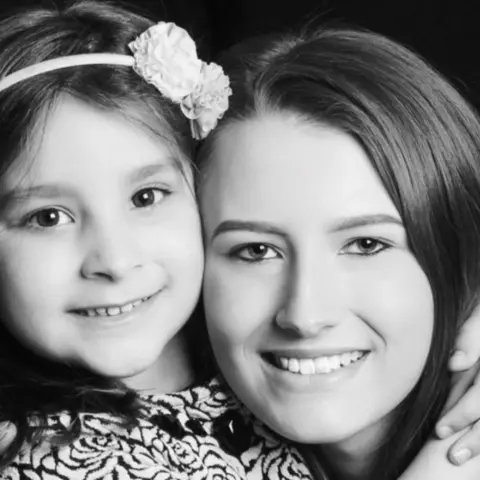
(432, 462)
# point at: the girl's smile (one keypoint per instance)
(112, 309)
(102, 247)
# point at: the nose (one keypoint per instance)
(112, 251)
(313, 300)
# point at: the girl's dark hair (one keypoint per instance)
(32, 387)
(423, 140)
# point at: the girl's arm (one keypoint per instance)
(463, 406)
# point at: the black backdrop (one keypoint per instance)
(448, 34)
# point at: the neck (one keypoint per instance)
(171, 372)
(345, 466)
(355, 457)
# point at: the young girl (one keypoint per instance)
(341, 204)
(101, 256)
(102, 259)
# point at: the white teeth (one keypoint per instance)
(307, 367)
(345, 359)
(348, 358)
(112, 311)
(334, 362)
(293, 365)
(326, 364)
(127, 308)
(321, 365)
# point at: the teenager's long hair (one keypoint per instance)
(32, 387)
(423, 140)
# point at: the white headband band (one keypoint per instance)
(165, 56)
(65, 62)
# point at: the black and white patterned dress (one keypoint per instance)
(200, 433)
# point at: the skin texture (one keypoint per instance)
(306, 256)
(99, 214)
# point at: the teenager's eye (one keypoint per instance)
(148, 197)
(255, 252)
(48, 218)
(364, 246)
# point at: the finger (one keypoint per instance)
(467, 344)
(466, 447)
(463, 414)
(461, 383)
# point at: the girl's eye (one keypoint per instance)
(255, 252)
(148, 197)
(364, 246)
(48, 218)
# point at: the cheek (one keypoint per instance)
(397, 302)
(37, 271)
(237, 308)
(35, 283)
(175, 238)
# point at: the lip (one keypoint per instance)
(312, 353)
(113, 304)
(284, 381)
(123, 320)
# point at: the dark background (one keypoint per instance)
(447, 34)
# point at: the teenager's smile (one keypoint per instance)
(314, 363)
(311, 291)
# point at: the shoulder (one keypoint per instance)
(103, 448)
(203, 432)
(171, 441)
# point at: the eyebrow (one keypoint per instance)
(365, 220)
(147, 171)
(250, 226)
(267, 228)
(39, 191)
(49, 191)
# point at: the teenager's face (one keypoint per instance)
(100, 246)
(319, 315)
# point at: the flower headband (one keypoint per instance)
(165, 56)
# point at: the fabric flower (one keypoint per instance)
(166, 56)
(208, 102)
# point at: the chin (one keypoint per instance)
(314, 431)
(115, 369)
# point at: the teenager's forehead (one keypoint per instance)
(281, 169)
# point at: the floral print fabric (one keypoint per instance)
(202, 433)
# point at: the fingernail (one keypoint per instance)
(461, 456)
(444, 432)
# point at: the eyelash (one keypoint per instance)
(164, 192)
(28, 221)
(236, 253)
(381, 244)
(30, 218)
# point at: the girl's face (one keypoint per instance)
(319, 315)
(100, 247)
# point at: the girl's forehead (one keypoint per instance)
(77, 138)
